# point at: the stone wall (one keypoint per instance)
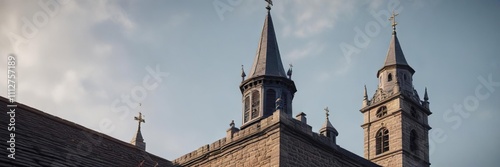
(278, 140)
(256, 145)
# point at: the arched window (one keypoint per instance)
(382, 111)
(382, 141)
(413, 140)
(255, 104)
(389, 77)
(270, 101)
(246, 109)
(284, 98)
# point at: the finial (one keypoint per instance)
(327, 112)
(393, 21)
(243, 75)
(140, 119)
(269, 4)
(231, 124)
(289, 73)
(426, 98)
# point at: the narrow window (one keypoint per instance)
(382, 111)
(270, 101)
(414, 113)
(389, 77)
(255, 104)
(382, 141)
(404, 76)
(284, 98)
(246, 109)
(413, 140)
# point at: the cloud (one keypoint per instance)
(63, 67)
(310, 49)
(309, 18)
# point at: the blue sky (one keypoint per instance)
(77, 60)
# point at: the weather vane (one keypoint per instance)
(327, 112)
(269, 4)
(393, 20)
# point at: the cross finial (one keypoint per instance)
(140, 118)
(393, 20)
(327, 112)
(269, 4)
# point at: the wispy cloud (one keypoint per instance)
(309, 18)
(311, 49)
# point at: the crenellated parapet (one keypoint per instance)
(258, 132)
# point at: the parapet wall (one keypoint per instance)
(257, 144)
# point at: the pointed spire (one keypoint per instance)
(395, 56)
(426, 97)
(267, 60)
(243, 75)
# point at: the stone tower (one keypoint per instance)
(395, 119)
(267, 80)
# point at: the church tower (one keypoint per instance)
(267, 80)
(396, 129)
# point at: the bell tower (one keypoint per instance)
(396, 128)
(267, 80)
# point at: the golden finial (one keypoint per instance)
(393, 21)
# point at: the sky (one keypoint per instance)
(93, 62)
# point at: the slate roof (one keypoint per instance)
(267, 61)
(395, 56)
(42, 139)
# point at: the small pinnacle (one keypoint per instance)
(426, 97)
(365, 94)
